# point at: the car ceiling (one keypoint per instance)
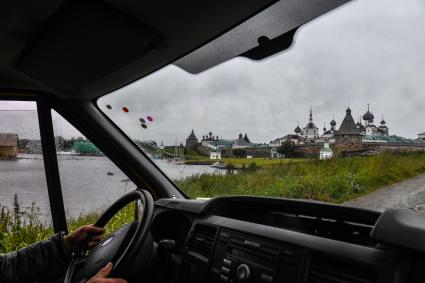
(82, 49)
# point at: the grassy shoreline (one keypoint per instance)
(335, 180)
(240, 162)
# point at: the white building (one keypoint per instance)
(279, 141)
(329, 135)
(275, 154)
(215, 154)
(310, 132)
(369, 128)
(161, 146)
(326, 152)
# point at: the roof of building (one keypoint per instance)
(85, 147)
(359, 125)
(222, 143)
(7, 139)
(241, 141)
(348, 127)
(192, 136)
(330, 132)
(392, 139)
(368, 116)
(246, 138)
(298, 130)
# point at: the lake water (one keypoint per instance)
(86, 184)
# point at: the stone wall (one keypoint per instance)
(347, 143)
(308, 150)
(204, 150)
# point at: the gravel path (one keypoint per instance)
(406, 194)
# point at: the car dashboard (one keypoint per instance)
(259, 239)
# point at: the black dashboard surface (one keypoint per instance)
(259, 239)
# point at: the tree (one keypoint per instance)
(239, 153)
(287, 148)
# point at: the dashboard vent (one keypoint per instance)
(202, 240)
(336, 271)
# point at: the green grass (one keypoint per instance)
(240, 162)
(335, 180)
(20, 227)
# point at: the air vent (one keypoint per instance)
(336, 271)
(202, 240)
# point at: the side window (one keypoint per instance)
(24, 203)
(90, 181)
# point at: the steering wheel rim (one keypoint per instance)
(131, 240)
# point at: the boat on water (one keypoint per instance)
(218, 165)
(64, 153)
(177, 161)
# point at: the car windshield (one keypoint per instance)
(337, 118)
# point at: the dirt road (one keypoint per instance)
(406, 194)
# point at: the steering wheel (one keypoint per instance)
(129, 248)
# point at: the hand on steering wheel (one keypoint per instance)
(102, 276)
(128, 249)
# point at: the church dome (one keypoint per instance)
(383, 122)
(298, 129)
(333, 123)
(368, 116)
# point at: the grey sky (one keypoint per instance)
(365, 52)
(25, 121)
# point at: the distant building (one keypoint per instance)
(215, 154)
(310, 132)
(348, 137)
(192, 141)
(241, 142)
(330, 134)
(34, 147)
(369, 128)
(85, 148)
(161, 146)
(326, 152)
(275, 154)
(279, 141)
(8, 145)
(421, 136)
(214, 142)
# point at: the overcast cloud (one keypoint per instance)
(365, 52)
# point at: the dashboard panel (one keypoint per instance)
(256, 239)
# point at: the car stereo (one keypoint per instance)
(241, 257)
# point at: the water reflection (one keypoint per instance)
(89, 183)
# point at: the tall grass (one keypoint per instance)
(335, 180)
(20, 227)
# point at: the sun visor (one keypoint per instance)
(84, 41)
(265, 34)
